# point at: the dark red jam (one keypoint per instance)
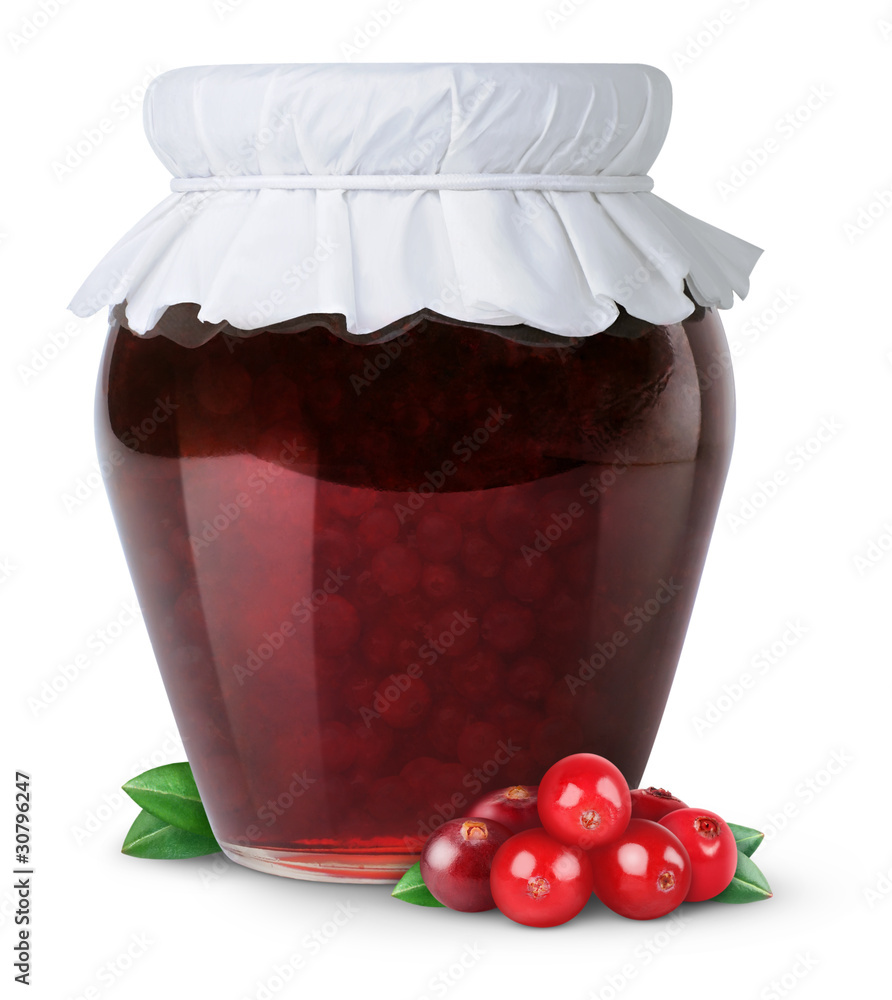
(381, 578)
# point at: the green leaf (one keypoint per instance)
(411, 889)
(151, 837)
(169, 793)
(748, 885)
(747, 838)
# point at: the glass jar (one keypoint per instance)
(385, 573)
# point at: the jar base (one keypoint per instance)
(322, 866)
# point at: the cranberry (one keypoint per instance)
(377, 644)
(653, 803)
(439, 581)
(336, 626)
(538, 881)
(514, 807)
(456, 861)
(530, 678)
(402, 700)
(479, 556)
(396, 569)
(529, 580)
(377, 527)
(476, 676)
(584, 800)
(508, 626)
(643, 874)
(374, 742)
(711, 847)
(439, 537)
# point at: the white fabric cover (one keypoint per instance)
(556, 261)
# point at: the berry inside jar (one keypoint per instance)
(382, 578)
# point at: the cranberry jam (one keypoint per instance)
(383, 578)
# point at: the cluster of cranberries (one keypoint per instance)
(539, 854)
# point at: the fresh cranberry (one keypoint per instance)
(396, 569)
(439, 537)
(439, 581)
(711, 847)
(456, 862)
(530, 678)
(643, 874)
(508, 626)
(538, 881)
(479, 556)
(402, 700)
(584, 800)
(514, 807)
(377, 527)
(653, 803)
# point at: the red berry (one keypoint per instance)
(584, 800)
(514, 807)
(653, 803)
(711, 847)
(396, 569)
(439, 537)
(456, 861)
(508, 626)
(538, 881)
(643, 874)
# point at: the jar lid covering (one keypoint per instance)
(497, 194)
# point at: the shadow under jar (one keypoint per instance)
(380, 578)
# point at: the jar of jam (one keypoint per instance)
(423, 438)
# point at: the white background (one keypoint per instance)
(820, 356)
